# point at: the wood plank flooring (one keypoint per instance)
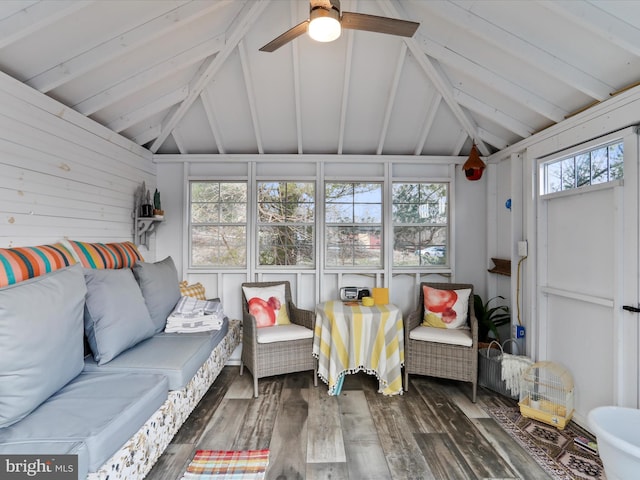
(431, 432)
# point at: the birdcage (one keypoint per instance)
(546, 394)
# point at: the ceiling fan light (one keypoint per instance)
(324, 25)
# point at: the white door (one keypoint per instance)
(587, 270)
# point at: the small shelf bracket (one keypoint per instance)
(143, 227)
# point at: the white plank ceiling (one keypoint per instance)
(187, 76)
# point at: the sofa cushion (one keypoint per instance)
(21, 263)
(178, 356)
(115, 315)
(40, 339)
(102, 410)
(160, 289)
(104, 255)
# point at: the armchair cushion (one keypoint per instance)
(457, 336)
(283, 333)
(268, 305)
(446, 308)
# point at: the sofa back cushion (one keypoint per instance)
(115, 316)
(160, 288)
(22, 263)
(40, 340)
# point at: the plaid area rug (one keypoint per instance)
(554, 450)
(228, 464)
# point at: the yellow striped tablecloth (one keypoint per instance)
(353, 338)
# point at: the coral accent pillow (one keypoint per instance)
(445, 308)
(22, 263)
(195, 290)
(268, 305)
(105, 255)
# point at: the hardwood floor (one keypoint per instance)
(431, 432)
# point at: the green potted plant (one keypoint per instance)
(490, 318)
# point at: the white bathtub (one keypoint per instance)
(618, 434)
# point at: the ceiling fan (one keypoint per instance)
(325, 23)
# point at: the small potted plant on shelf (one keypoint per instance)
(157, 206)
(490, 318)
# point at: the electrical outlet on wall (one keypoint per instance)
(522, 248)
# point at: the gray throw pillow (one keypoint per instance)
(41, 346)
(160, 288)
(115, 315)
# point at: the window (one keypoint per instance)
(600, 165)
(420, 224)
(353, 218)
(218, 223)
(286, 218)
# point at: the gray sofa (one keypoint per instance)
(117, 407)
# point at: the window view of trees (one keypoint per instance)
(420, 224)
(286, 218)
(218, 221)
(285, 213)
(600, 165)
(353, 216)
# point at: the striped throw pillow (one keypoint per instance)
(105, 255)
(196, 290)
(22, 263)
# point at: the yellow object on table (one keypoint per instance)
(367, 301)
(356, 338)
(380, 296)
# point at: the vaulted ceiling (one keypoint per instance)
(187, 76)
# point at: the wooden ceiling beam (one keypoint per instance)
(430, 117)
(559, 68)
(250, 14)
(210, 112)
(158, 105)
(492, 113)
(109, 50)
(391, 97)
(35, 16)
(149, 76)
(622, 32)
(251, 97)
(439, 80)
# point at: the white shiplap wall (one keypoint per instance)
(62, 174)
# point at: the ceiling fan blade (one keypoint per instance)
(286, 37)
(373, 23)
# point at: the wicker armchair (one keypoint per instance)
(276, 358)
(436, 359)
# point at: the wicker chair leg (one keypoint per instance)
(406, 380)
(255, 386)
(241, 366)
(475, 388)
(315, 376)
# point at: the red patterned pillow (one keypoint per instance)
(445, 308)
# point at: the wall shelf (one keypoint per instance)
(142, 227)
(501, 266)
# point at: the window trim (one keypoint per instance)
(585, 147)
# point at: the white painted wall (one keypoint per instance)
(62, 174)
(573, 330)
(470, 229)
